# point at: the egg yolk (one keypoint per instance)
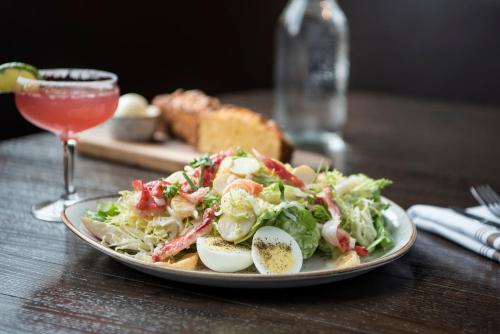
(276, 257)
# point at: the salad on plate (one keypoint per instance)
(242, 211)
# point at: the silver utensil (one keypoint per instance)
(486, 196)
(475, 217)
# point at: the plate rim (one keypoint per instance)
(316, 274)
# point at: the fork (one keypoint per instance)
(486, 196)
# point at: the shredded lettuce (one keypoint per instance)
(272, 193)
(121, 227)
(358, 198)
(210, 199)
(360, 186)
(238, 204)
(263, 177)
(294, 194)
(362, 228)
(278, 192)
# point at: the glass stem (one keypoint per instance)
(69, 146)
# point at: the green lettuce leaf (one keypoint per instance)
(103, 211)
(320, 213)
(359, 186)
(302, 226)
(296, 221)
(264, 178)
(384, 238)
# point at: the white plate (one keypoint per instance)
(316, 270)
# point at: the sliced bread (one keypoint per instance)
(232, 126)
(181, 110)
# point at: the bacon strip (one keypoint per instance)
(218, 157)
(282, 172)
(172, 247)
(151, 199)
(333, 233)
(330, 202)
(208, 173)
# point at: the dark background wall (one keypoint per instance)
(440, 49)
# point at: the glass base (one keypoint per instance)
(328, 141)
(330, 144)
(50, 211)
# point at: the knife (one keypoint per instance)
(475, 217)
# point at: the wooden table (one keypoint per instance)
(50, 281)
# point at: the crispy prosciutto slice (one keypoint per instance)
(333, 233)
(172, 247)
(151, 197)
(282, 172)
(208, 173)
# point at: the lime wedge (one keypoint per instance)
(9, 72)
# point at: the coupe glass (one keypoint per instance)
(65, 102)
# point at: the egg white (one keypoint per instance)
(245, 166)
(227, 258)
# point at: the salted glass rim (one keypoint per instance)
(91, 78)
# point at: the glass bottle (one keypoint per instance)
(311, 71)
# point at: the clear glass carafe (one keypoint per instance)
(311, 71)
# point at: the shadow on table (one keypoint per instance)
(383, 281)
(91, 288)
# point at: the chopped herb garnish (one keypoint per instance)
(203, 161)
(239, 152)
(189, 181)
(171, 190)
(281, 187)
(210, 199)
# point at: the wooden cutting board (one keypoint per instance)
(166, 156)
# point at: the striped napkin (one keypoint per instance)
(471, 234)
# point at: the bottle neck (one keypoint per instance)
(324, 10)
(325, 7)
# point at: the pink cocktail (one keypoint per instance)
(67, 112)
(65, 102)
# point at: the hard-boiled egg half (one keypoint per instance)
(245, 166)
(223, 256)
(275, 252)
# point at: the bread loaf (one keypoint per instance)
(232, 126)
(181, 111)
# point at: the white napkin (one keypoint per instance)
(480, 238)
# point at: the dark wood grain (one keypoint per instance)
(50, 281)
